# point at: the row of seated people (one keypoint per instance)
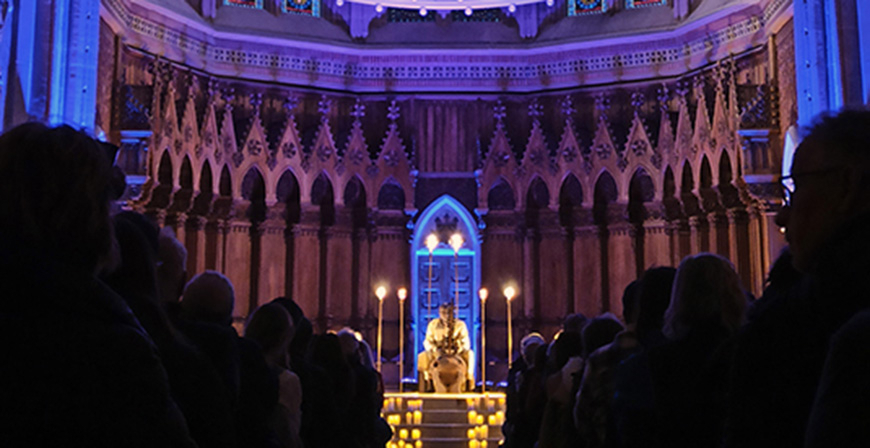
(699, 363)
(105, 344)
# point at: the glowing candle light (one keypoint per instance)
(483, 293)
(472, 417)
(418, 417)
(415, 434)
(402, 293)
(418, 444)
(403, 433)
(479, 419)
(491, 419)
(381, 292)
(409, 418)
(473, 444)
(509, 294)
(472, 434)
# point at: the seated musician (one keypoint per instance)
(437, 344)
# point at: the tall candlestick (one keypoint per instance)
(509, 293)
(456, 243)
(483, 295)
(402, 293)
(431, 244)
(381, 292)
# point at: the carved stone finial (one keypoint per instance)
(358, 112)
(256, 101)
(638, 99)
(568, 110)
(290, 102)
(602, 105)
(323, 107)
(682, 89)
(229, 95)
(663, 96)
(393, 114)
(536, 110)
(499, 114)
(212, 88)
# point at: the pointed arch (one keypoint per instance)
(538, 195)
(287, 193)
(254, 190)
(570, 199)
(323, 196)
(501, 196)
(164, 170)
(691, 205)
(355, 200)
(391, 195)
(444, 216)
(185, 179)
(206, 190)
(728, 193)
(225, 185)
(605, 194)
(705, 178)
(640, 190)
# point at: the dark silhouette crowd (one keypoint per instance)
(106, 343)
(697, 362)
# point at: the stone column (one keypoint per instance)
(553, 301)
(657, 235)
(700, 234)
(272, 255)
(237, 258)
(195, 243)
(339, 270)
(529, 291)
(360, 312)
(720, 235)
(621, 259)
(177, 222)
(758, 250)
(306, 264)
(501, 264)
(587, 270)
(740, 251)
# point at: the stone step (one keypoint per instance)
(446, 430)
(447, 443)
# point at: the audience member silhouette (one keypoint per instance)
(78, 369)
(513, 398)
(271, 327)
(209, 298)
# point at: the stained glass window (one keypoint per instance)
(258, 4)
(581, 7)
(642, 3)
(409, 15)
(478, 15)
(303, 7)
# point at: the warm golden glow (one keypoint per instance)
(432, 242)
(402, 293)
(483, 293)
(510, 293)
(381, 292)
(456, 242)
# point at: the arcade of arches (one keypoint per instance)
(574, 187)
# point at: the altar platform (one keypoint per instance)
(430, 420)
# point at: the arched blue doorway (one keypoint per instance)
(444, 217)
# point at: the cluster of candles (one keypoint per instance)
(486, 401)
(393, 404)
(411, 418)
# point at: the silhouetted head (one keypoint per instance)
(568, 345)
(272, 328)
(600, 332)
(55, 187)
(575, 323)
(209, 297)
(829, 183)
(706, 292)
(529, 345)
(172, 270)
(630, 302)
(654, 297)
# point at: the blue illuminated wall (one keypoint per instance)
(48, 58)
(581, 7)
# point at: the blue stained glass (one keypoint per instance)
(303, 7)
(642, 3)
(257, 4)
(582, 7)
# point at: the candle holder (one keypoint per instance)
(402, 293)
(456, 242)
(381, 292)
(509, 294)
(431, 244)
(483, 293)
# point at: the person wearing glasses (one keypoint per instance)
(780, 356)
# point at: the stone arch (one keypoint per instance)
(570, 200)
(605, 194)
(253, 189)
(355, 201)
(185, 177)
(669, 196)
(728, 193)
(537, 199)
(225, 184)
(287, 193)
(164, 170)
(391, 195)
(443, 217)
(203, 200)
(709, 198)
(322, 196)
(641, 189)
(501, 196)
(687, 191)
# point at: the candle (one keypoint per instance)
(483, 444)
(401, 444)
(418, 417)
(418, 444)
(472, 417)
(492, 419)
(403, 433)
(473, 444)
(409, 418)
(472, 434)
(393, 445)
(501, 402)
(499, 417)
(484, 432)
(399, 402)
(415, 433)
(479, 419)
